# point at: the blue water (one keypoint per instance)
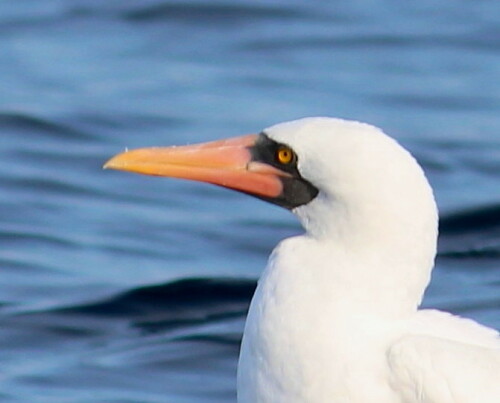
(122, 288)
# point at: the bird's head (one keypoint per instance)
(320, 168)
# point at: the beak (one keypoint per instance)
(226, 163)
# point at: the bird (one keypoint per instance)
(336, 313)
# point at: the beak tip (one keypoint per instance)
(107, 165)
(118, 161)
(112, 163)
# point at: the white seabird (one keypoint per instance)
(335, 315)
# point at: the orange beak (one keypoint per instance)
(226, 163)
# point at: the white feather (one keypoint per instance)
(335, 316)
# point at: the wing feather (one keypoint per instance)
(459, 365)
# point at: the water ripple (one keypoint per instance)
(26, 123)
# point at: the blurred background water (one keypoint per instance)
(121, 288)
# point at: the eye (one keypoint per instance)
(285, 155)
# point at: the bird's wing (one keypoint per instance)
(436, 368)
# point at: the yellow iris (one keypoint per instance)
(284, 155)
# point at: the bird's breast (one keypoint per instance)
(299, 346)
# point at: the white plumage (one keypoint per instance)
(335, 316)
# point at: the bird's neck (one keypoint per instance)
(377, 259)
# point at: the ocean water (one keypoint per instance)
(123, 288)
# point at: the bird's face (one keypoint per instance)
(254, 164)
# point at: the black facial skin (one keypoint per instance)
(296, 190)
